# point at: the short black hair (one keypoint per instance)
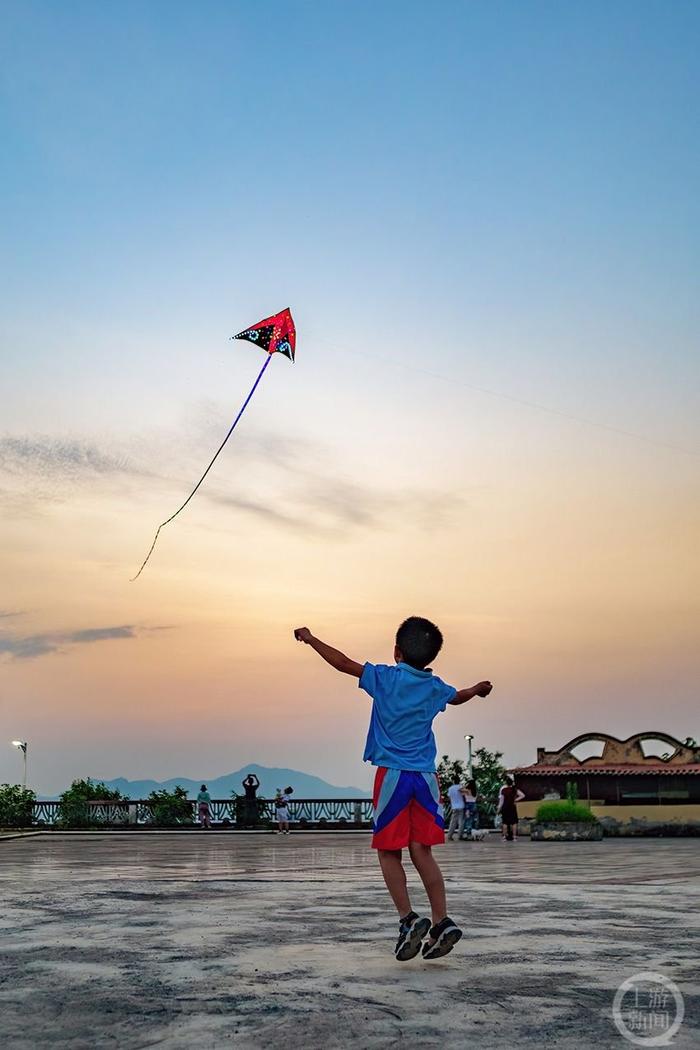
(203, 787)
(419, 641)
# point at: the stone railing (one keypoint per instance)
(317, 813)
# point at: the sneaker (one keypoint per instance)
(412, 930)
(443, 938)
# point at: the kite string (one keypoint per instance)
(211, 464)
(535, 405)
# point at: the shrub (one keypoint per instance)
(560, 811)
(250, 814)
(74, 811)
(171, 807)
(15, 806)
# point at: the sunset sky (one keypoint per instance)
(486, 220)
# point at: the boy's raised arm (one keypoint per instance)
(332, 656)
(463, 695)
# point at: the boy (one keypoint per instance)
(400, 742)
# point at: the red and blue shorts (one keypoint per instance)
(407, 808)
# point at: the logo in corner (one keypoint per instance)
(648, 1009)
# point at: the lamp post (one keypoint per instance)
(22, 745)
(468, 737)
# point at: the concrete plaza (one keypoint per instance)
(198, 940)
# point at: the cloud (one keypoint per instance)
(309, 495)
(332, 508)
(31, 646)
(267, 512)
(294, 485)
(50, 457)
(40, 471)
(99, 634)
(358, 506)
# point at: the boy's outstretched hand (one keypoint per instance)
(332, 656)
(464, 695)
(482, 688)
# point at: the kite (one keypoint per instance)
(275, 335)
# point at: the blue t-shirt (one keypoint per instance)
(406, 701)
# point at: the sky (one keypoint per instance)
(486, 221)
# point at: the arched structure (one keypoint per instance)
(621, 784)
(619, 752)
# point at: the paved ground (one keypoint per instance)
(205, 941)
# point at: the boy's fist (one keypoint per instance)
(303, 634)
(482, 688)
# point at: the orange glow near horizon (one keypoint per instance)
(576, 607)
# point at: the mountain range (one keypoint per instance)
(305, 785)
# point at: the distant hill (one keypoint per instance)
(305, 785)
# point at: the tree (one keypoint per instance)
(447, 771)
(15, 806)
(74, 811)
(489, 774)
(171, 807)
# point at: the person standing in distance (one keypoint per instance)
(250, 786)
(455, 793)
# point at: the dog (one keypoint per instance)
(478, 834)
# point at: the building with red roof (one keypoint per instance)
(627, 783)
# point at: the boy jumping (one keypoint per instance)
(400, 743)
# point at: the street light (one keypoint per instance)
(468, 737)
(22, 745)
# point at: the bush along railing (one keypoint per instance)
(170, 808)
(87, 802)
(16, 806)
(175, 810)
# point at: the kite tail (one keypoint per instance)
(211, 464)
